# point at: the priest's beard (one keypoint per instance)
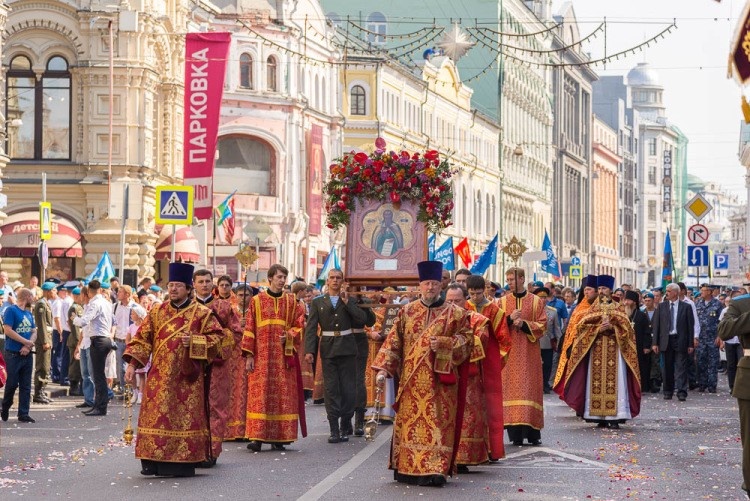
(629, 309)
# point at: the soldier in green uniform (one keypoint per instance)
(335, 313)
(43, 345)
(74, 368)
(736, 322)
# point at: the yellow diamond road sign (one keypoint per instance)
(698, 207)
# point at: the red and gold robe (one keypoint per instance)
(473, 448)
(308, 376)
(221, 372)
(496, 353)
(172, 425)
(235, 428)
(523, 401)
(570, 334)
(593, 365)
(274, 389)
(429, 403)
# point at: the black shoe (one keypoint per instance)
(65, 383)
(535, 442)
(462, 468)
(84, 405)
(4, 414)
(681, 398)
(334, 439)
(96, 412)
(208, 463)
(148, 471)
(547, 391)
(692, 386)
(712, 390)
(701, 389)
(278, 447)
(614, 425)
(601, 424)
(518, 442)
(667, 397)
(26, 419)
(41, 400)
(346, 427)
(254, 445)
(344, 438)
(359, 423)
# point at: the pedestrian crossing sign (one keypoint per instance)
(575, 272)
(174, 204)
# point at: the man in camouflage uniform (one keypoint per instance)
(74, 368)
(708, 309)
(43, 347)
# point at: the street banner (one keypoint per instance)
(315, 204)
(550, 265)
(488, 257)
(462, 249)
(431, 247)
(444, 254)
(205, 63)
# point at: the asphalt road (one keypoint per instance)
(673, 450)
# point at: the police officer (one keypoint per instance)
(736, 322)
(363, 349)
(43, 344)
(707, 357)
(335, 313)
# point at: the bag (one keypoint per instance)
(114, 343)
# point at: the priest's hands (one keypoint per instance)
(433, 343)
(130, 374)
(655, 349)
(309, 358)
(250, 364)
(186, 340)
(380, 378)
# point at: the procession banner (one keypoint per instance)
(205, 62)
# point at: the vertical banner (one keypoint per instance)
(205, 63)
(315, 176)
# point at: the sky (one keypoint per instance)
(692, 66)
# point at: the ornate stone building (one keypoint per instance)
(57, 93)
(605, 257)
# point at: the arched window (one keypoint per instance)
(246, 71)
(38, 111)
(271, 80)
(357, 100)
(488, 221)
(377, 25)
(478, 213)
(246, 164)
(464, 209)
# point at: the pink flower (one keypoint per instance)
(380, 143)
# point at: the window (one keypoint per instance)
(652, 210)
(245, 164)
(377, 26)
(271, 80)
(652, 242)
(357, 100)
(246, 71)
(652, 174)
(652, 146)
(43, 107)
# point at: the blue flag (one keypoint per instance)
(331, 263)
(488, 257)
(431, 247)
(666, 265)
(550, 265)
(224, 210)
(444, 254)
(104, 271)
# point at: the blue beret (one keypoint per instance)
(48, 286)
(648, 295)
(2, 291)
(76, 291)
(105, 285)
(538, 283)
(155, 288)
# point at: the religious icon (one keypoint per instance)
(387, 230)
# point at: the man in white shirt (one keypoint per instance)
(120, 326)
(9, 295)
(60, 352)
(692, 367)
(98, 316)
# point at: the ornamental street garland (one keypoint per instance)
(391, 177)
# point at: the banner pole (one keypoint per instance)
(174, 239)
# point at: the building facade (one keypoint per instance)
(605, 257)
(64, 119)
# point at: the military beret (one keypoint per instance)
(648, 295)
(76, 291)
(155, 288)
(48, 286)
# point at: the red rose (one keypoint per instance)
(395, 197)
(345, 189)
(360, 187)
(345, 198)
(360, 157)
(431, 155)
(380, 143)
(341, 204)
(330, 226)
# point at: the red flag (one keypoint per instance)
(228, 224)
(462, 249)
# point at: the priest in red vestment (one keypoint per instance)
(235, 429)
(427, 346)
(496, 353)
(524, 321)
(182, 337)
(275, 397)
(220, 377)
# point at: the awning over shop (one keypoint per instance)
(187, 249)
(20, 236)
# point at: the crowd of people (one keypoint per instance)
(455, 362)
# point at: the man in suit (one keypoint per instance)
(336, 314)
(736, 322)
(673, 326)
